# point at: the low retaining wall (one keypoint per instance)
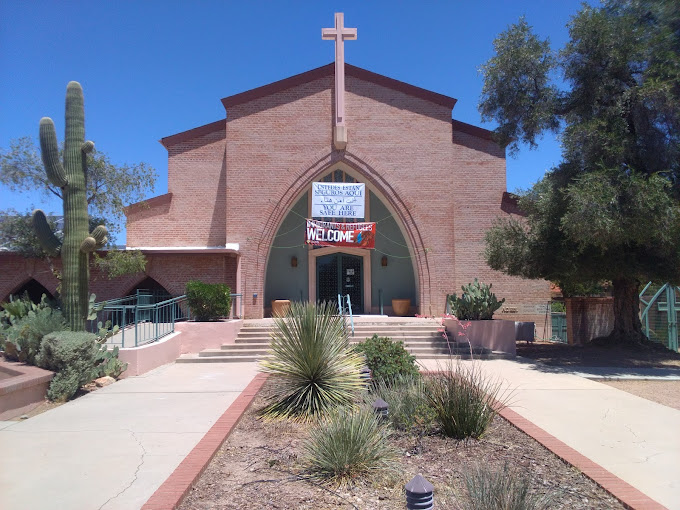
(188, 337)
(22, 387)
(497, 335)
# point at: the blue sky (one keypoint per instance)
(150, 68)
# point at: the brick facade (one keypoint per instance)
(172, 271)
(232, 183)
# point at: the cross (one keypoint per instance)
(339, 34)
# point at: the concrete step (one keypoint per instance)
(247, 334)
(211, 353)
(195, 358)
(254, 340)
(246, 345)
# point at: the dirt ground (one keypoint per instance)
(262, 466)
(594, 356)
(666, 393)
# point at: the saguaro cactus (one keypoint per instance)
(71, 177)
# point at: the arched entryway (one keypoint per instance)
(149, 291)
(34, 289)
(373, 278)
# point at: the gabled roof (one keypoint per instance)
(193, 133)
(320, 72)
(329, 69)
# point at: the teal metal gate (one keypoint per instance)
(559, 327)
(660, 307)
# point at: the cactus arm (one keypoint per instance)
(95, 240)
(47, 239)
(50, 153)
(87, 147)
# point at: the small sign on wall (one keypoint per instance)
(338, 200)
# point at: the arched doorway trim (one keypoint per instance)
(364, 169)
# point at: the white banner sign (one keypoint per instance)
(338, 200)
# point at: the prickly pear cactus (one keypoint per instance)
(71, 177)
(476, 303)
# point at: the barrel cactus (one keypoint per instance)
(71, 177)
(476, 303)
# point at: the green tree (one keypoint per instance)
(110, 187)
(611, 209)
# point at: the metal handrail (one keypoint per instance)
(341, 309)
(151, 321)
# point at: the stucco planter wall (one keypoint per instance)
(188, 337)
(22, 387)
(497, 335)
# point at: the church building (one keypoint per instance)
(240, 193)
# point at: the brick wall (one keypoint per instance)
(172, 271)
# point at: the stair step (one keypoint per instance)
(195, 358)
(249, 345)
(211, 353)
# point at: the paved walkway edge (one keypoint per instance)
(173, 491)
(628, 495)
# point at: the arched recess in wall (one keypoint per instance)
(390, 271)
(150, 287)
(35, 290)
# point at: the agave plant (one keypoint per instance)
(314, 367)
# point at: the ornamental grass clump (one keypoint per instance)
(503, 489)
(350, 443)
(409, 408)
(313, 366)
(465, 400)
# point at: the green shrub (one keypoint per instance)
(349, 444)
(108, 364)
(409, 408)
(22, 339)
(314, 367)
(464, 400)
(557, 307)
(387, 359)
(72, 355)
(503, 489)
(476, 303)
(208, 301)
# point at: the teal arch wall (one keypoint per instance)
(396, 280)
(281, 280)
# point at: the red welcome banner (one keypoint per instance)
(330, 233)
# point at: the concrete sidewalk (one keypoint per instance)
(633, 438)
(113, 448)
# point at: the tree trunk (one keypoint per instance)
(627, 326)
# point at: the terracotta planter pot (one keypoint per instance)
(280, 307)
(400, 307)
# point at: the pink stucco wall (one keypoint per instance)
(497, 335)
(23, 390)
(189, 337)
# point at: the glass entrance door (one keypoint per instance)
(340, 273)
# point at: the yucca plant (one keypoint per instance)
(315, 370)
(465, 400)
(501, 489)
(350, 443)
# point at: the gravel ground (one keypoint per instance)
(666, 393)
(262, 466)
